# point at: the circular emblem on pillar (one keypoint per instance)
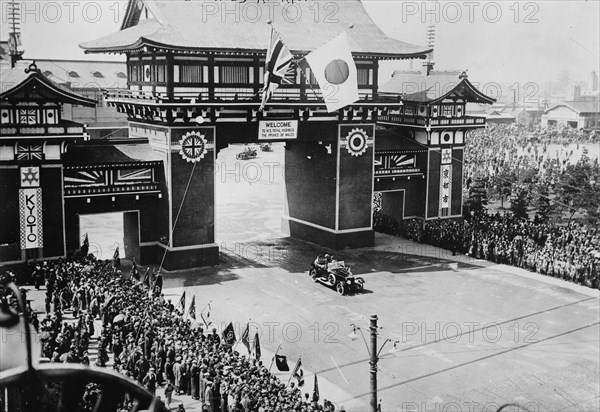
(356, 142)
(193, 147)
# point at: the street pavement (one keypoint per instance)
(469, 335)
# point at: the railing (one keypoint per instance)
(458, 121)
(403, 119)
(44, 130)
(423, 121)
(231, 96)
(112, 190)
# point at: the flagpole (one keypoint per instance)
(273, 360)
(238, 342)
(294, 370)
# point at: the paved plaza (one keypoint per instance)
(471, 335)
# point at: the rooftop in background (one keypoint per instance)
(432, 88)
(26, 82)
(84, 73)
(200, 25)
(579, 107)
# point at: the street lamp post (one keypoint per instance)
(374, 356)
(373, 362)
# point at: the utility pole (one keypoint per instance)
(373, 362)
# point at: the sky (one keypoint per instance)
(501, 41)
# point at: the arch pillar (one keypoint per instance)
(329, 188)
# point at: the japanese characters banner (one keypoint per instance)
(445, 189)
(30, 207)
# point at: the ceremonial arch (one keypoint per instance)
(194, 88)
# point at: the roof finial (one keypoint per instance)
(464, 75)
(32, 68)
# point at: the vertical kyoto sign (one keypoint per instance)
(30, 208)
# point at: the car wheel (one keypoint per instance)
(341, 288)
(313, 274)
(331, 279)
(360, 285)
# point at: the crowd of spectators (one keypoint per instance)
(500, 150)
(149, 340)
(570, 251)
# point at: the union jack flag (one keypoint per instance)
(31, 152)
(277, 67)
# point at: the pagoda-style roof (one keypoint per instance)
(204, 26)
(32, 86)
(433, 88)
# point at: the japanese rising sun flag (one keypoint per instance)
(335, 70)
(278, 65)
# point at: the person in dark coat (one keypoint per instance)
(150, 381)
(158, 284)
(195, 380)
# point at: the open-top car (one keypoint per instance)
(266, 147)
(328, 271)
(247, 154)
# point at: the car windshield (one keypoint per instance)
(337, 264)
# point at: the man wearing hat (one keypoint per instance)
(150, 381)
(195, 380)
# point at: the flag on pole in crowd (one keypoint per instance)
(135, 271)
(256, 347)
(146, 279)
(246, 336)
(281, 363)
(229, 334)
(85, 247)
(316, 390)
(205, 316)
(298, 373)
(277, 66)
(335, 70)
(181, 303)
(192, 309)
(116, 259)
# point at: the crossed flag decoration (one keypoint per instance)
(332, 65)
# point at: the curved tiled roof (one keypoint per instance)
(204, 25)
(432, 88)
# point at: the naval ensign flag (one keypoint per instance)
(334, 68)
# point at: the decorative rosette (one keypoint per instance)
(356, 142)
(193, 147)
